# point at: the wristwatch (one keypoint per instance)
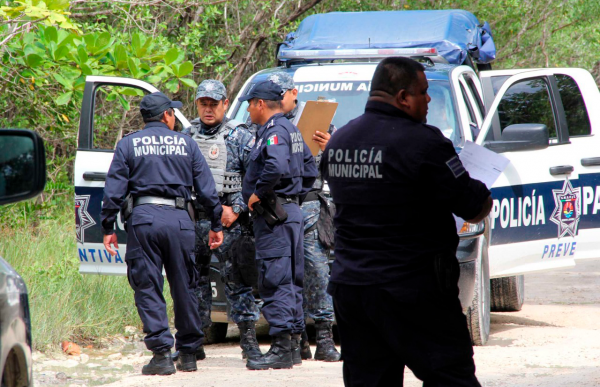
(236, 209)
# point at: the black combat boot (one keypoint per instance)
(248, 342)
(279, 356)
(295, 348)
(305, 352)
(160, 364)
(200, 354)
(187, 362)
(325, 346)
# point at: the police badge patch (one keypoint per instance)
(213, 152)
(567, 212)
(83, 219)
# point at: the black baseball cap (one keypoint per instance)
(156, 103)
(267, 90)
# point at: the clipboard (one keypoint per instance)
(314, 116)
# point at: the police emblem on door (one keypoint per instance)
(567, 212)
(83, 219)
(213, 152)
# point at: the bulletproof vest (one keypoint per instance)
(214, 150)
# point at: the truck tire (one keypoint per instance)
(216, 333)
(508, 293)
(478, 314)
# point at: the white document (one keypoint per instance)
(482, 164)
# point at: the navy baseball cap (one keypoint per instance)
(156, 103)
(267, 90)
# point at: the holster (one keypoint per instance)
(126, 209)
(272, 210)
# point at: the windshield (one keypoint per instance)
(352, 97)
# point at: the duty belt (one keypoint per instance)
(178, 202)
(287, 199)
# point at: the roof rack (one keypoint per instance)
(426, 53)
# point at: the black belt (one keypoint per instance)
(287, 199)
(178, 202)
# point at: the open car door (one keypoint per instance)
(546, 211)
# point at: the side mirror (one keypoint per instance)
(521, 137)
(22, 165)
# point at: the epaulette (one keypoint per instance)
(130, 133)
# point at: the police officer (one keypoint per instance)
(226, 145)
(396, 182)
(317, 303)
(157, 168)
(281, 169)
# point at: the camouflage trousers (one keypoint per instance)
(239, 296)
(317, 304)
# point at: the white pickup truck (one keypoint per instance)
(546, 211)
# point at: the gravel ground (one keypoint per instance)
(553, 341)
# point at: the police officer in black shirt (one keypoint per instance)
(281, 170)
(396, 182)
(158, 167)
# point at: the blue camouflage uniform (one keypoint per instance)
(280, 163)
(157, 164)
(239, 142)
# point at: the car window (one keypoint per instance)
(352, 98)
(527, 102)
(116, 113)
(578, 121)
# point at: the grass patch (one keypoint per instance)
(65, 305)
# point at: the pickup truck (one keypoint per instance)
(546, 211)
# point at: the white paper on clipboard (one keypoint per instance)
(482, 164)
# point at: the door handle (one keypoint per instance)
(561, 170)
(590, 161)
(94, 176)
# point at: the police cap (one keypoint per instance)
(211, 88)
(154, 104)
(283, 79)
(267, 90)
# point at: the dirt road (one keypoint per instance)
(554, 341)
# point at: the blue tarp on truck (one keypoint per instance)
(454, 33)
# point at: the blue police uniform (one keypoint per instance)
(280, 162)
(156, 166)
(239, 142)
(317, 303)
(390, 300)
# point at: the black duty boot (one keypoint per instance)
(295, 348)
(305, 352)
(200, 354)
(325, 346)
(279, 356)
(248, 342)
(160, 364)
(187, 362)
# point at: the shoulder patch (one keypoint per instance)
(251, 142)
(455, 166)
(273, 140)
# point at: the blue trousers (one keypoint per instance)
(162, 236)
(280, 255)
